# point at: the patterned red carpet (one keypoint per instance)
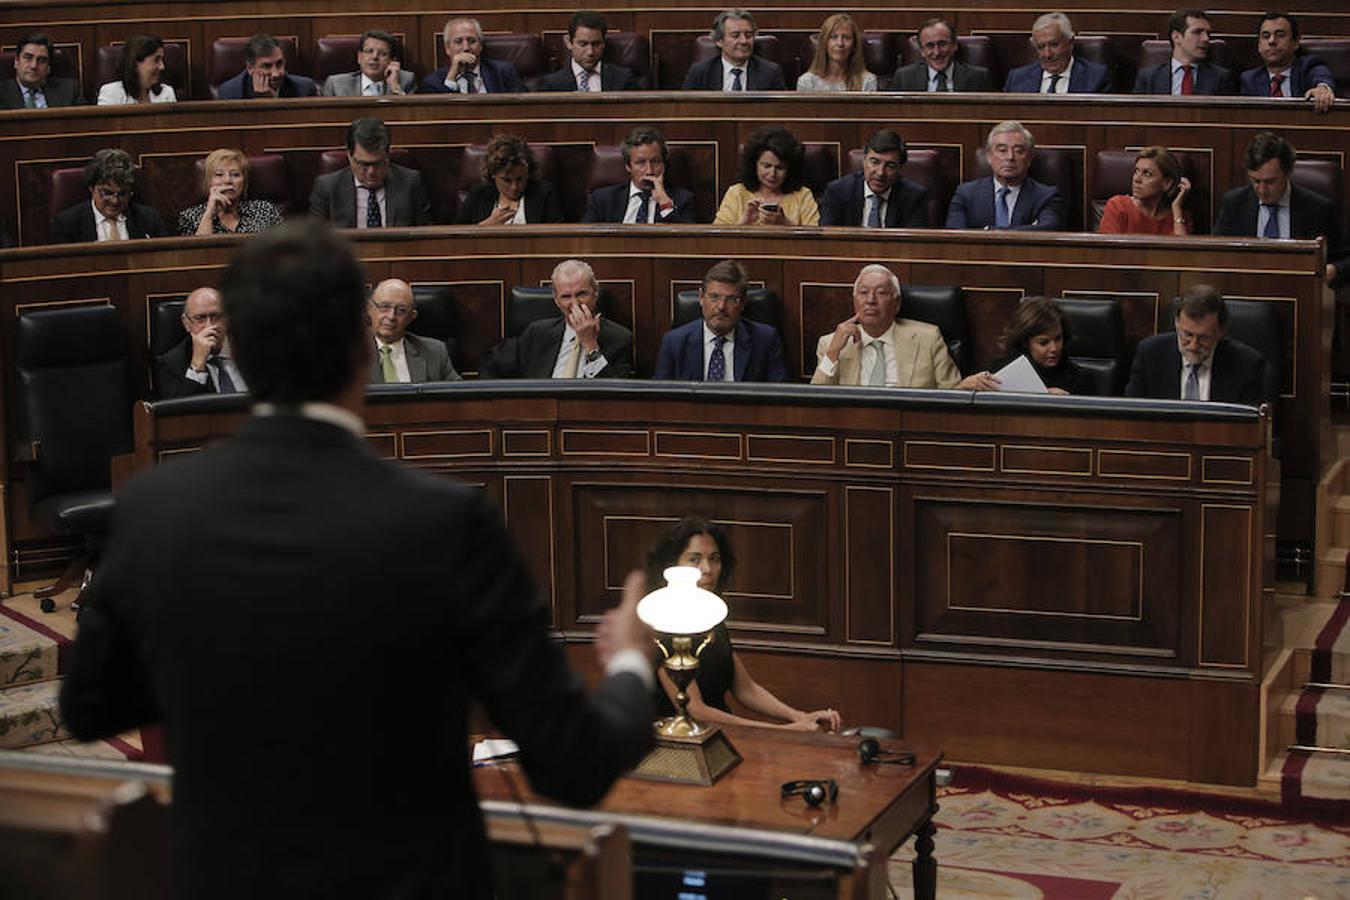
(1012, 836)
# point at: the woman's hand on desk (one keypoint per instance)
(818, 720)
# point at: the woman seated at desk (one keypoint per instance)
(770, 191)
(838, 63)
(142, 75)
(510, 194)
(1039, 330)
(226, 211)
(1157, 200)
(699, 543)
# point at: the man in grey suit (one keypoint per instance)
(402, 358)
(379, 70)
(33, 87)
(372, 192)
(940, 72)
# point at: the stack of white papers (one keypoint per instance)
(494, 748)
(1019, 377)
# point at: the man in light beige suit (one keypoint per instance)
(873, 348)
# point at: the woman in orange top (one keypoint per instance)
(1156, 204)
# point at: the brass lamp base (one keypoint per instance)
(695, 759)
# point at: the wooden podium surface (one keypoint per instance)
(879, 806)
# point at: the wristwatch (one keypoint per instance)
(593, 355)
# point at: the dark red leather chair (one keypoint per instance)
(524, 51)
(936, 169)
(1113, 170)
(1335, 52)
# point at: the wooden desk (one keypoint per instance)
(879, 806)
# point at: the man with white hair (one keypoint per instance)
(578, 343)
(872, 348)
(1057, 71)
(1007, 199)
(466, 71)
(400, 357)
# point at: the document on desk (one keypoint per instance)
(1019, 377)
(492, 749)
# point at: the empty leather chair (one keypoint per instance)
(333, 55)
(227, 59)
(166, 325)
(820, 166)
(437, 314)
(606, 168)
(1257, 324)
(1097, 344)
(631, 50)
(1056, 166)
(1335, 52)
(524, 51)
(761, 305)
(928, 168)
(73, 369)
(1098, 49)
(943, 305)
(109, 66)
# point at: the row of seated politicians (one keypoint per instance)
(560, 332)
(732, 57)
(373, 192)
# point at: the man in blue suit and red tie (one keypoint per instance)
(1008, 199)
(721, 346)
(1284, 71)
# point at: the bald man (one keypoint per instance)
(202, 362)
(402, 358)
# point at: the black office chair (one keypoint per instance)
(73, 369)
(761, 305)
(530, 303)
(943, 305)
(1257, 324)
(1097, 342)
(437, 314)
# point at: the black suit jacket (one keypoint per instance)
(609, 203)
(542, 204)
(58, 91)
(75, 224)
(241, 593)
(760, 75)
(1209, 79)
(612, 78)
(1310, 216)
(1238, 374)
(171, 379)
(914, 77)
(333, 197)
(533, 352)
(843, 203)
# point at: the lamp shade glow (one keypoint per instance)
(682, 607)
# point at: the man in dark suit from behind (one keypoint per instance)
(466, 71)
(400, 357)
(1272, 206)
(722, 346)
(1189, 71)
(371, 192)
(1057, 71)
(1198, 362)
(109, 215)
(203, 362)
(577, 343)
(265, 74)
(241, 593)
(585, 70)
(33, 86)
(644, 197)
(877, 197)
(735, 68)
(1008, 198)
(940, 71)
(1284, 71)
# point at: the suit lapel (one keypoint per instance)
(344, 199)
(1020, 213)
(984, 200)
(693, 353)
(391, 199)
(417, 363)
(745, 346)
(544, 352)
(903, 348)
(857, 202)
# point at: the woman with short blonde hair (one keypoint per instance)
(227, 209)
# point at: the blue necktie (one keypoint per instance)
(644, 210)
(584, 81)
(1272, 220)
(874, 215)
(717, 362)
(223, 379)
(1001, 219)
(373, 219)
(736, 80)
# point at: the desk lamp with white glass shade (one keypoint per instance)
(686, 750)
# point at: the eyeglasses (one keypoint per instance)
(370, 163)
(394, 308)
(936, 45)
(204, 318)
(105, 194)
(714, 297)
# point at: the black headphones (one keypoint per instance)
(814, 791)
(870, 752)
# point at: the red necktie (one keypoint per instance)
(1187, 81)
(1275, 83)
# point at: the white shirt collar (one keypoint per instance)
(359, 186)
(577, 70)
(366, 84)
(728, 66)
(395, 348)
(729, 338)
(1068, 70)
(933, 73)
(100, 218)
(320, 412)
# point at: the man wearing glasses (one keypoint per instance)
(940, 72)
(109, 215)
(1198, 362)
(372, 192)
(202, 362)
(379, 70)
(400, 357)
